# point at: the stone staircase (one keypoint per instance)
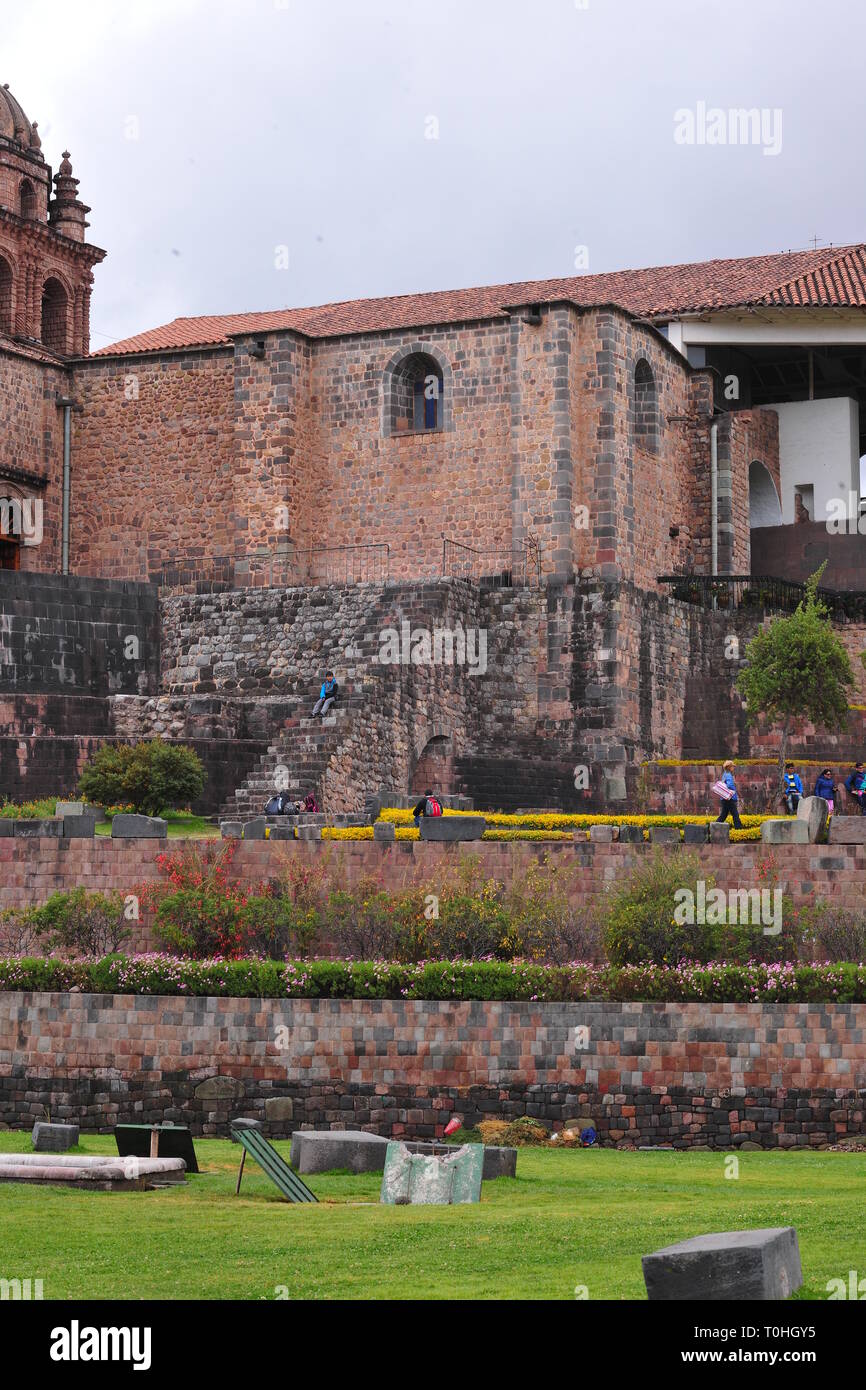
(297, 761)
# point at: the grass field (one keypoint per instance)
(573, 1218)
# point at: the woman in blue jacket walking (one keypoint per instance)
(730, 807)
(825, 787)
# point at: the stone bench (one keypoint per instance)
(452, 829)
(733, 1266)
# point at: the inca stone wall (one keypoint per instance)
(691, 1075)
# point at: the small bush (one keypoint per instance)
(82, 923)
(514, 1133)
(151, 776)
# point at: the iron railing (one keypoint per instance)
(335, 565)
(498, 569)
(760, 592)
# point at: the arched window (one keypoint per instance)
(27, 199)
(646, 408)
(6, 325)
(764, 506)
(415, 395)
(54, 316)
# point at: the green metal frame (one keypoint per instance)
(279, 1172)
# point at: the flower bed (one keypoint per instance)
(456, 979)
(543, 825)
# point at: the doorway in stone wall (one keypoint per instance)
(10, 553)
(434, 767)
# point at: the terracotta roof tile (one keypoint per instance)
(831, 277)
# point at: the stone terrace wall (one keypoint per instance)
(32, 869)
(780, 1076)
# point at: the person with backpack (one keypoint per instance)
(793, 789)
(855, 786)
(729, 805)
(327, 695)
(279, 805)
(427, 806)
(825, 787)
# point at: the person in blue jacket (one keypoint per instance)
(327, 695)
(731, 807)
(793, 789)
(825, 787)
(855, 786)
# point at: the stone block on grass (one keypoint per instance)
(255, 829)
(309, 832)
(499, 1162)
(729, 1266)
(416, 1180)
(384, 832)
(281, 832)
(7, 828)
(694, 834)
(69, 808)
(323, 1150)
(815, 812)
(784, 832)
(848, 830)
(452, 829)
(720, 832)
(130, 827)
(245, 1123)
(231, 829)
(53, 1138)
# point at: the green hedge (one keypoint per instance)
(342, 979)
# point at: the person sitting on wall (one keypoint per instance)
(427, 806)
(793, 789)
(310, 802)
(731, 806)
(825, 787)
(855, 786)
(327, 695)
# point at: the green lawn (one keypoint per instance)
(572, 1218)
(180, 826)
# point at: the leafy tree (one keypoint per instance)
(797, 668)
(150, 776)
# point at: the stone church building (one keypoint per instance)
(526, 459)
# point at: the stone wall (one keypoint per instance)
(796, 552)
(227, 454)
(31, 452)
(72, 636)
(32, 869)
(153, 455)
(694, 1075)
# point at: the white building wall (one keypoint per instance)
(818, 444)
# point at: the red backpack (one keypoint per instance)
(432, 808)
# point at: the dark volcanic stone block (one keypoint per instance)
(731, 1266)
(452, 829)
(320, 1150)
(130, 827)
(52, 1138)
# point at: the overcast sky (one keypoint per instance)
(210, 134)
